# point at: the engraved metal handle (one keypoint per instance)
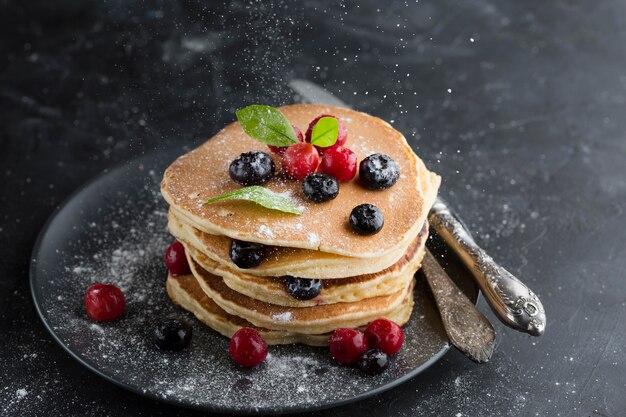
(512, 301)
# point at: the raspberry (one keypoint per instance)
(247, 347)
(342, 136)
(385, 335)
(104, 302)
(339, 162)
(175, 259)
(347, 346)
(300, 160)
(281, 149)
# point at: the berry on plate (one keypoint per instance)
(385, 335)
(300, 160)
(279, 150)
(340, 163)
(303, 288)
(104, 302)
(246, 254)
(378, 171)
(347, 346)
(175, 259)
(172, 334)
(373, 362)
(252, 168)
(320, 187)
(366, 219)
(247, 348)
(342, 135)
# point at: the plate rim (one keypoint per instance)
(146, 394)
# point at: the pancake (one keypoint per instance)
(203, 173)
(184, 291)
(281, 261)
(272, 289)
(307, 320)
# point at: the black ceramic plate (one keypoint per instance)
(114, 230)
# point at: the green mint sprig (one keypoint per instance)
(325, 132)
(266, 124)
(261, 196)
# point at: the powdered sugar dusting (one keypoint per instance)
(286, 316)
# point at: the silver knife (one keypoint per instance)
(512, 301)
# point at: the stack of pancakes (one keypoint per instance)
(364, 277)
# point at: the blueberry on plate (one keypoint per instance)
(172, 334)
(373, 362)
(378, 171)
(320, 187)
(366, 219)
(246, 254)
(252, 168)
(303, 288)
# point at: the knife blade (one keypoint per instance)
(512, 302)
(467, 328)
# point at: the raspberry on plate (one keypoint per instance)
(104, 302)
(339, 162)
(279, 150)
(385, 335)
(347, 346)
(247, 348)
(175, 259)
(300, 160)
(342, 136)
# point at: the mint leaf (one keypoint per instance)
(325, 132)
(266, 124)
(262, 196)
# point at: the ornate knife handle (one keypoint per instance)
(512, 301)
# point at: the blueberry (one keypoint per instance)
(320, 187)
(373, 362)
(246, 254)
(366, 219)
(252, 168)
(172, 334)
(378, 171)
(303, 288)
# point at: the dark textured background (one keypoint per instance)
(520, 106)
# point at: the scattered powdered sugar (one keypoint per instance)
(21, 393)
(313, 238)
(286, 316)
(265, 231)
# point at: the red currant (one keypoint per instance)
(247, 347)
(104, 302)
(175, 259)
(385, 335)
(342, 136)
(281, 149)
(339, 162)
(300, 160)
(347, 346)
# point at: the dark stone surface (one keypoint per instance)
(525, 123)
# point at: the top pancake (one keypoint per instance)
(203, 173)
